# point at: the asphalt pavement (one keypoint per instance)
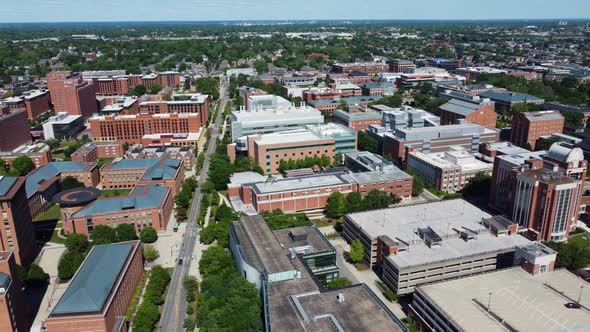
(174, 311)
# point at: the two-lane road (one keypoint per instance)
(174, 311)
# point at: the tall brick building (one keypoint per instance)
(194, 103)
(71, 94)
(14, 130)
(12, 305)
(17, 234)
(528, 127)
(131, 128)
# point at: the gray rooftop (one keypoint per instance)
(461, 107)
(95, 279)
(543, 116)
(525, 302)
(36, 178)
(509, 97)
(428, 133)
(156, 168)
(291, 184)
(142, 197)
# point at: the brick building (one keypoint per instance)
(39, 153)
(505, 100)
(246, 92)
(314, 141)
(14, 130)
(17, 234)
(131, 128)
(71, 94)
(471, 108)
(528, 127)
(92, 151)
(13, 309)
(436, 139)
(184, 153)
(320, 94)
(148, 205)
(359, 121)
(194, 103)
(119, 105)
(42, 183)
(128, 173)
(99, 295)
(367, 67)
(36, 102)
(400, 66)
(329, 105)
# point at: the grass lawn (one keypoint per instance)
(52, 214)
(578, 239)
(324, 222)
(103, 161)
(114, 193)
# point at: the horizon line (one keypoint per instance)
(311, 20)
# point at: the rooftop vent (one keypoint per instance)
(340, 298)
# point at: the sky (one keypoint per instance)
(212, 10)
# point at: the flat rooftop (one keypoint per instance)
(298, 183)
(288, 137)
(543, 116)
(279, 114)
(525, 302)
(95, 279)
(423, 133)
(313, 240)
(142, 197)
(506, 148)
(451, 159)
(520, 158)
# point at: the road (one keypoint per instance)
(174, 311)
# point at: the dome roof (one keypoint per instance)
(565, 154)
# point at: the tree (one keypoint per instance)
(148, 235)
(376, 199)
(545, 143)
(22, 274)
(103, 234)
(338, 160)
(155, 88)
(126, 232)
(77, 243)
(570, 255)
(357, 251)
(70, 182)
(69, 264)
(4, 171)
(339, 282)
(150, 253)
(354, 202)
(367, 143)
(37, 276)
(336, 205)
(22, 165)
(138, 90)
(418, 184)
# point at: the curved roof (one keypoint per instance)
(76, 196)
(46, 172)
(565, 154)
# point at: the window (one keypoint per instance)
(4, 215)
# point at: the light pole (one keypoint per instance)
(580, 296)
(489, 300)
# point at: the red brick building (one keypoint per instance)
(36, 102)
(92, 151)
(128, 173)
(71, 94)
(471, 108)
(39, 153)
(13, 309)
(400, 66)
(14, 130)
(17, 234)
(528, 127)
(312, 55)
(148, 205)
(131, 128)
(367, 67)
(99, 295)
(359, 121)
(194, 103)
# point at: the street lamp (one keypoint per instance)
(489, 300)
(580, 296)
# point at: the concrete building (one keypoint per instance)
(92, 151)
(14, 130)
(259, 102)
(436, 139)
(71, 94)
(148, 205)
(447, 64)
(471, 108)
(13, 307)
(272, 120)
(490, 151)
(528, 127)
(447, 171)
(400, 66)
(246, 92)
(101, 291)
(504, 100)
(408, 247)
(330, 105)
(39, 153)
(119, 105)
(405, 117)
(63, 125)
(184, 153)
(42, 183)
(472, 73)
(132, 129)
(289, 267)
(510, 299)
(17, 234)
(313, 141)
(127, 173)
(193, 103)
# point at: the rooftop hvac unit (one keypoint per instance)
(340, 298)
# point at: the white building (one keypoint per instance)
(62, 125)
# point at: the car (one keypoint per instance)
(180, 261)
(573, 305)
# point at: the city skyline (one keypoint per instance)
(34, 11)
